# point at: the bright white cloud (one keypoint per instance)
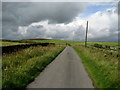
(102, 27)
(58, 21)
(15, 14)
(103, 24)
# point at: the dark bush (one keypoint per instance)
(97, 45)
(107, 47)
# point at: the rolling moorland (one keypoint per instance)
(20, 67)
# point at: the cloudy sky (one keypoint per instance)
(60, 20)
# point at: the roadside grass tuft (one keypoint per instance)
(20, 68)
(102, 66)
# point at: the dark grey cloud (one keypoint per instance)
(24, 13)
(102, 27)
(27, 13)
(57, 21)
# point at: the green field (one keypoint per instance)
(102, 66)
(6, 43)
(105, 43)
(20, 68)
(53, 41)
(71, 42)
(19, 42)
(111, 44)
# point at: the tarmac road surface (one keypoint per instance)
(66, 71)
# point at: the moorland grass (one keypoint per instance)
(102, 66)
(112, 44)
(53, 41)
(20, 68)
(16, 42)
(5, 43)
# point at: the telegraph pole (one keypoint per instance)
(86, 34)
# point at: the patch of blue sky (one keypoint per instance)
(91, 9)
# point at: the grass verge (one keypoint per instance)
(102, 66)
(22, 67)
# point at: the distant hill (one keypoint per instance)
(37, 39)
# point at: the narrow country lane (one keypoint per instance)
(66, 71)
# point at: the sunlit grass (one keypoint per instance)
(54, 41)
(113, 44)
(4, 43)
(102, 66)
(22, 67)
